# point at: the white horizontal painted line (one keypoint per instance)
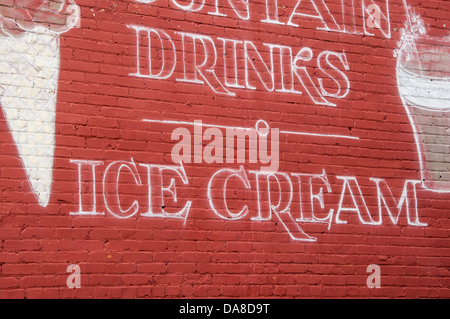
(322, 135)
(251, 128)
(197, 124)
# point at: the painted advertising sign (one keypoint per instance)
(308, 120)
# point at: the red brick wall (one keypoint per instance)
(351, 188)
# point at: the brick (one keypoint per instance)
(20, 269)
(8, 283)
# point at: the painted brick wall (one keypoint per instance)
(117, 167)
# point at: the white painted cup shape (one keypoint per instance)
(423, 78)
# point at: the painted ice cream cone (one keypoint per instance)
(29, 72)
(423, 78)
